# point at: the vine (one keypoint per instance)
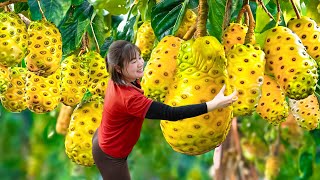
(250, 38)
(265, 9)
(41, 11)
(295, 9)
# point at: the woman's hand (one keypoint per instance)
(221, 101)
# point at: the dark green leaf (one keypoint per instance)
(105, 47)
(215, 17)
(73, 26)
(193, 4)
(164, 16)
(114, 7)
(305, 165)
(20, 7)
(77, 2)
(54, 10)
(126, 32)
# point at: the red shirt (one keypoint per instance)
(124, 110)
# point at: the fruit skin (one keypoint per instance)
(309, 33)
(246, 64)
(306, 112)
(44, 48)
(145, 39)
(235, 33)
(289, 63)
(13, 38)
(85, 120)
(160, 69)
(13, 99)
(272, 105)
(43, 94)
(189, 19)
(4, 79)
(200, 76)
(98, 74)
(74, 80)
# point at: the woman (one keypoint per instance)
(126, 107)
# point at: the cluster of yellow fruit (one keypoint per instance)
(48, 80)
(185, 72)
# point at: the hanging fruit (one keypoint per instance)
(85, 120)
(13, 38)
(160, 69)
(145, 39)
(201, 73)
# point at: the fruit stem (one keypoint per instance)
(250, 38)
(203, 9)
(190, 32)
(94, 35)
(84, 43)
(41, 11)
(240, 15)
(265, 9)
(24, 19)
(226, 18)
(278, 13)
(295, 9)
(6, 3)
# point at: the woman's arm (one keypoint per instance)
(162, 111)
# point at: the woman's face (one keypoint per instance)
(133, 69)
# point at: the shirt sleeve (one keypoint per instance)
(138, 105)
(165, 112)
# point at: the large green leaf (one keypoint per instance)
(114, 7)
(215, 17)
(166, 16)
(306, 165)
(124, 30)
(74, 25)
(54, 10)
(99, 29)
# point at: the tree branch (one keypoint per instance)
(3, 4)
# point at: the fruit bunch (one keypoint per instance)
(201, 73)
(160, 69)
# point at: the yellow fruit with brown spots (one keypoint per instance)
(272, 106)
(160, 69)
(4, 79)
(189, 19)
(145, 39)
(13, 99)
(74, 80)
(235, 33)
(201, 74)
(306, 112)
(246, 64)
(44, 48)
(85, 120)
(43, 93)
(13, 39)
(309, 32)
(289, 63)
(98, 74)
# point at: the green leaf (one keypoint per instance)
(262, 19)
(99, 30)
(305, 165)
(164, 16)
(125, 32)
(215, 17)
(73, 26)
(20, 7)
(105, 47)
(54, 10)
(114, 7)
(77, 2)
